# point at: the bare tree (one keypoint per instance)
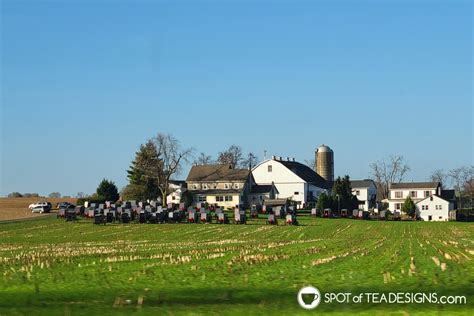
(438, 175)
(311, 163)
(250, 161)
(469, 184)
(231, 156)
(203, 159)
(80, 195)
(462, 177)
(387, 172)
(166, 161)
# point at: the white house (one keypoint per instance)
(177, 188)
(434, 208)
(417, 191)
(366, 193)
(291, 179)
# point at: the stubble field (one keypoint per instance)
(17, 208)
(52, 267)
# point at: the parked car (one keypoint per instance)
(40, 209)
(33, 205)
(62, 205)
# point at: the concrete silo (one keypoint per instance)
(324, 157)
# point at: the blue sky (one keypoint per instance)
(84, 83)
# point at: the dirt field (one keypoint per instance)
(17, 208)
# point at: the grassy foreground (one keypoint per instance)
(50, 267)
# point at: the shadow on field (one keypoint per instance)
(214, 299)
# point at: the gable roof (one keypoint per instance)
(415, 185)
(449, 195)
(433, 196)
(262, 188)
(362, 183)
(217, 173)
(306, 173)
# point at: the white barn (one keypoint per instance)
(434, 208)
(291, 179)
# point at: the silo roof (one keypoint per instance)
(324, 148)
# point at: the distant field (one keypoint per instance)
(17, 208)
(52, 267)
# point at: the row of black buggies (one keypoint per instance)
(355, 214)
(176, 214)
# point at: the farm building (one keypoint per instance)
(434, 208)
(177, 188)
(417, 191)
(366, 193)
(291, 179)
(261, 193)
(226, 187)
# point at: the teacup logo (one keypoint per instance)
(309, 297)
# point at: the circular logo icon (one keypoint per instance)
(309, 297)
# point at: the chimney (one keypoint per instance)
(280, 158)
(293, 159)
(274, 157)
(287, 158)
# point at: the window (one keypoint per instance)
(195, 186)
(297, 193)
(219, 199)
(413, 194)
(424, 207)
(214, 186)
(269, 168)
(357, 192)
(173, 197)
(204, 186)
(438, 207)
(261, 197)
(441, 217)
(202, 198)
(236, 185)
(228, 198)
(399, 195)
(427, 193)
(226, 186)
(397, 206)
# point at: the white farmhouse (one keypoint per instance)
(291, 179)
(434, 208)
(366, 193)
(417, 191)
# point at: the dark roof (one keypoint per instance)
(306, 173)
(178, 182)
(276, 202)
(217, 173)
(362, 183)
(415, 185)
(449, 195)
(431, 197)
(217, 191)
(261, 188)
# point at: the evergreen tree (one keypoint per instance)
(141, 185)
(409, 207)
(107, 191)
(342, 197)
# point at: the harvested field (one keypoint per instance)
(53, 267)
(17, 208)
